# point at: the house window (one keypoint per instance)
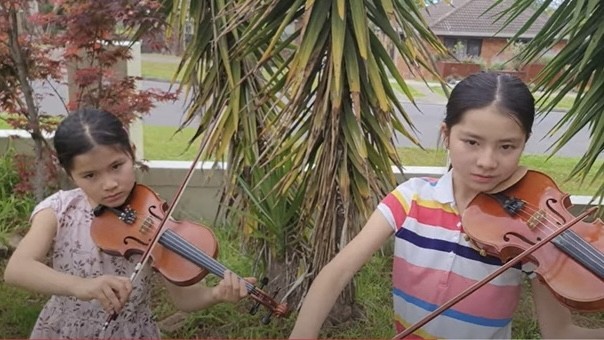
(469, 47)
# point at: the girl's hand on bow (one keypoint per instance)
(110, 291)
(231, 288)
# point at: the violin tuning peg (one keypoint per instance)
(483, 252)
(267, 319)
(466, 237)
(255, 308)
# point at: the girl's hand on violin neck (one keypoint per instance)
(231, 288)
(110, 291)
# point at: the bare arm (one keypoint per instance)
(26, 269)
(555, 319)
(332, 279)
(199, 296)
(26, 266)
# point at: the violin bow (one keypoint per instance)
(491, 276)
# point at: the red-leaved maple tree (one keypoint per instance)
(39, 43)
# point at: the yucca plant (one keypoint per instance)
(295, 96)
(578, 67)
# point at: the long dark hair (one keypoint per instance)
(480, 90)
(84, 129)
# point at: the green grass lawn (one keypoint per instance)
(159, 70)
(161, 142)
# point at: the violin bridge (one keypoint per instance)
(536, 219)
(147, 226)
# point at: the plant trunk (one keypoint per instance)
(345, 306)
(31, 108)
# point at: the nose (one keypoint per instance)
(109, 184)
(487, 159)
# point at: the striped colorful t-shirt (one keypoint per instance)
(433, 263)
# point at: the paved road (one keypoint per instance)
(426, 121)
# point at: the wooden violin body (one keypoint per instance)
(135, 233)
(506, 223)
(185, 252)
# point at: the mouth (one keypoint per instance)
(113, 198)
(482, 178)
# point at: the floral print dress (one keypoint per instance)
(75, 253)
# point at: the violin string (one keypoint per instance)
(169, 238)
(190, 252)
(566, 235)
(597, 261)
(575, 244)
(591, 254)
(586, 246)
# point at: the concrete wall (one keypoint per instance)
(20, 140)
(201, 196)
(200, 199)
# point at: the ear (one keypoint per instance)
(444, 134)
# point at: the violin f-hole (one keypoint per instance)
(507, 238)
(550, 203)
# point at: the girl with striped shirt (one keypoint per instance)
(487, 124)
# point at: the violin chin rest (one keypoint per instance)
(513, 179)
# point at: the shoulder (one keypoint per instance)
(417, 186)
(397, 205)
(60, 201)
(421, 182)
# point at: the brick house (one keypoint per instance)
(475, 36)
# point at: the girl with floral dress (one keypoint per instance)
(87, 285)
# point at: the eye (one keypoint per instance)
(470, 142)
(116, 166)
(508, 147)
(88, 176)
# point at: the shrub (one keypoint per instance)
(15, 206)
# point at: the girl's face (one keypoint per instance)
(105, 174)
(484, 148)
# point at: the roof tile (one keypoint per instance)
(468, 18)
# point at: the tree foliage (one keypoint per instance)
(37, 48)
(296, 96)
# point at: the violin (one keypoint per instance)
(506, 223)
(185, 252)
(529, 220)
